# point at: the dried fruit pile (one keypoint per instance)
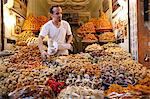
(101, 66)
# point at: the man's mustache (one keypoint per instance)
(60, 19)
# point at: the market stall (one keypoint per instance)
(100, 66)
(96, 73)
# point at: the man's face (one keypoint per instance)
(57, 14)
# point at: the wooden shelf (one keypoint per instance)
(20, 8)
(89, 41)
(114, 41)
(104, 30)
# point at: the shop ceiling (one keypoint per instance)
(40, 7)
(74, 4)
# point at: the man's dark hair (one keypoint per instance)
(51, 9)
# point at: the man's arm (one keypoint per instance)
(69, 39)
(40, 45)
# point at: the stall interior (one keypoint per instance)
(81, 14)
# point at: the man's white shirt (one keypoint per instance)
(56, 34)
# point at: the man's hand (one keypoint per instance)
(44, 54)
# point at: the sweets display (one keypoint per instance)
(22, 37)
(106, 70)
(86, 28)
(34, 23)
(103, 22)
(94, 47)
(80, 93)
(32, 41)
(89, 37)
(33, 92)
(107, 36)
(100, 27)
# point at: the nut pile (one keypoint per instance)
(24, 77)
(25, 57)
(80, 93)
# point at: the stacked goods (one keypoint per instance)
(56, 86)
(78, 64)
(32, 41)
(73, 59)
(86, 28)
(108, 52)
(22, 69)
(114, 73)
(33, 92)
(141, 90)
(84, 80)
(21, 38)
(78, 70)
(85, 74)
(104, 26)
(115, 91)
(26, 57)
(42, 20)
(93, 47)
(137, 69)
(107, 36)
(31, 23)
(108, 45)
(93, 20)
(115, 50)
(34, 23)
(79, 92)
(89, 37)
(3, 75)
(22, 77)
(103, 23)
(105, 56)
(143, 85)
(117, 65)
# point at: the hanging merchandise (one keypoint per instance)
(120, 22)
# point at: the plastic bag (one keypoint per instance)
(64, 46)
(52, 47)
